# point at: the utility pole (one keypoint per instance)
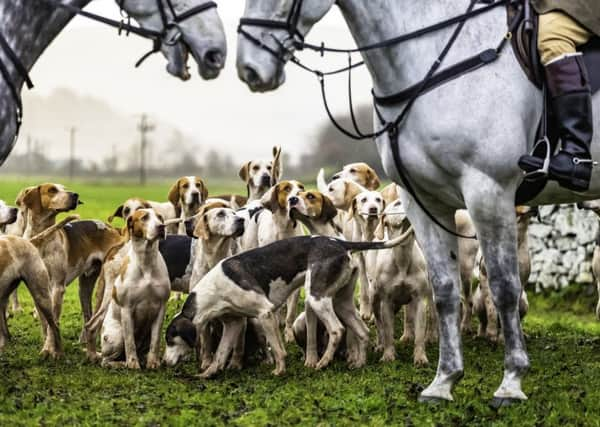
(72, 132)
(29, 154)
(144, 127)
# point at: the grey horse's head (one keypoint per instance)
(260, 69)
(201, 35)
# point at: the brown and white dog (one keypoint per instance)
(342, 192)
(360, 172)
(366, 210)
(75, 251)
(400, 279)
(21, 261)
(187, 195)
(17, 228)
(483, 305)
(260, 175)
(132, 326)
(164, 209)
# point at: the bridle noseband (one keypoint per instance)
(290, 25)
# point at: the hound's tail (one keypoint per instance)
(321, 183)
(40, 238)
(367, 246)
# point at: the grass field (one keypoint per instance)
(563, 385)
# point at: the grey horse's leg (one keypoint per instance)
(497, 231)
(441, 251)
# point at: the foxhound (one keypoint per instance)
(134, 319)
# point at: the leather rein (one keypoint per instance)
(433, 78)
(170, 20)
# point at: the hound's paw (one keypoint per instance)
(235, 365)
(311, 362)
(153, 363)
(357, 364)
(279, 371)
(93, 356)
(209, 372)
(289, 335)
(133, 364)
(323, 363)
(420, 360)
(50, 354)
(388, 356)
(205, 364)
(367, 316)
(405, 338)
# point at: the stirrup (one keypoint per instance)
(543, 172)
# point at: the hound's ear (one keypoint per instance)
(328, 212)
(118, 214)
(32, 199)
(129, 229)
(174, 194)
(244, 172)
(352, 210)
(373, 181)
(233, 203)
(380, 230)
(269, 199)
(202, 231)
(203, 190)
(277, 170)
(21, 195)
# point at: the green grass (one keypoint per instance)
(563, 385)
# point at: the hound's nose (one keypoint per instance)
(293, 201)
(195, 196)
(265, 179)
(214, 58)
(373, 211)
(580, 205)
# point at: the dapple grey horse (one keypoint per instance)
(29, 27)
(460, 145)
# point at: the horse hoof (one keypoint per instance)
(503, 402)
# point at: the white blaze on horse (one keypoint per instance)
(177, 29)
(459, 144)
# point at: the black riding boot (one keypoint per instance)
(567, 81)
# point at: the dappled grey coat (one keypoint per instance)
(587, 12)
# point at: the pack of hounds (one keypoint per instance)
(243, 261)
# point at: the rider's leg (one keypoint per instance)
(566, 75)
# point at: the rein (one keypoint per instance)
(409, 96)
(158, 38)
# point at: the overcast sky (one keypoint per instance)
(91, 59)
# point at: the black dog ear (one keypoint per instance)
(118, 214)
(328, 211)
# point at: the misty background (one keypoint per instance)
(88, 92)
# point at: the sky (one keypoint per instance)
(91, 60)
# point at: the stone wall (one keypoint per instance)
(561, 247)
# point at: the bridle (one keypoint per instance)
(169, 17)
(407, 97)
